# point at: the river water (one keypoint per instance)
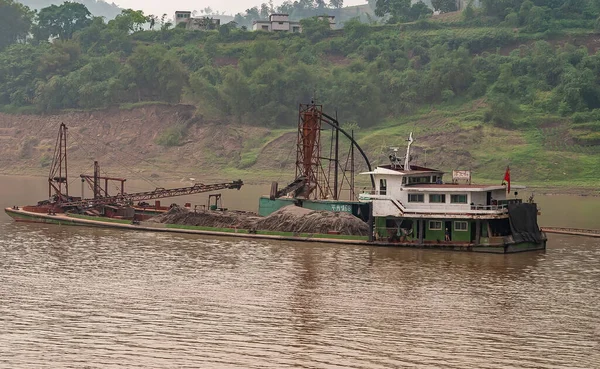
(75, 297)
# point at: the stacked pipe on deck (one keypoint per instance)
(287, 219)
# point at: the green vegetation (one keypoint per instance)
(172, 136)
(514, 82)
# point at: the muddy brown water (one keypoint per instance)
(76, 297)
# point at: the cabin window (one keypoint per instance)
(437, 198)
(458, 199)
(419, 180)
(461, 226)
(416, 197)
(382, 186)
(435, 225)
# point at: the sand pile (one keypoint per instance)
(287, 219)
(296, 219)
(207, 218)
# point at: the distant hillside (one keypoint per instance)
(480, 90)
(98, 8)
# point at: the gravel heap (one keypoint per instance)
(287, 219)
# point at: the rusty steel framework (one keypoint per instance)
(308, 153)
(94, 182)
(127, 199)
(58, 183)
(313, 179)
(57, 179)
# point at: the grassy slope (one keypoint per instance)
(537, 156)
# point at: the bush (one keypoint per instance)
(172, 136)
(45, 161)
(501, 111)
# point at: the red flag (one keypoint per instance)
(506, 179)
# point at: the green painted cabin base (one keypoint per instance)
(266, 206)
(387, 227)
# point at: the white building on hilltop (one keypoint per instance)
(281, 22)
(202, 23)
(277, 23)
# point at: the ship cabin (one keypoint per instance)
(411, 203)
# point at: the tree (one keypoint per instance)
(444, 6)
(500, 8)
(62, 21)
(264, 10)
(315, 28)
(130, 20)
(501, 111)
(15, 22)
(401, 10)
(337, 4)
(419, 10)
(469, 12)
(537, 19)
(236, 92)
(152, 19)
(19, 73)
(394, 8)
(154, 74)
(165, 23)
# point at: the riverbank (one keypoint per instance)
(265, 179)
(172, 143)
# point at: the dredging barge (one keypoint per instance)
(408, 206)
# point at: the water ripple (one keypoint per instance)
(93, 298)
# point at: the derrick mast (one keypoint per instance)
(58, 177)
(308, 156)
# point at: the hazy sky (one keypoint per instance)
(159, 7)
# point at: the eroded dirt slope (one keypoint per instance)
(124, 143)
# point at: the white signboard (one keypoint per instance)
(461, 175)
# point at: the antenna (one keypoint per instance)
(407, 158)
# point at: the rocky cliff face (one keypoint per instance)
(124, 142)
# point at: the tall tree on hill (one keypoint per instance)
(444, 6)
(337, 4)
(153, 74)
(500, 8)
(130, 20)
(401, 10)
(392, 7)
(264, 10)
(15, 22)
(62, 21)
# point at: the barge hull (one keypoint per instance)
(20, 215)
